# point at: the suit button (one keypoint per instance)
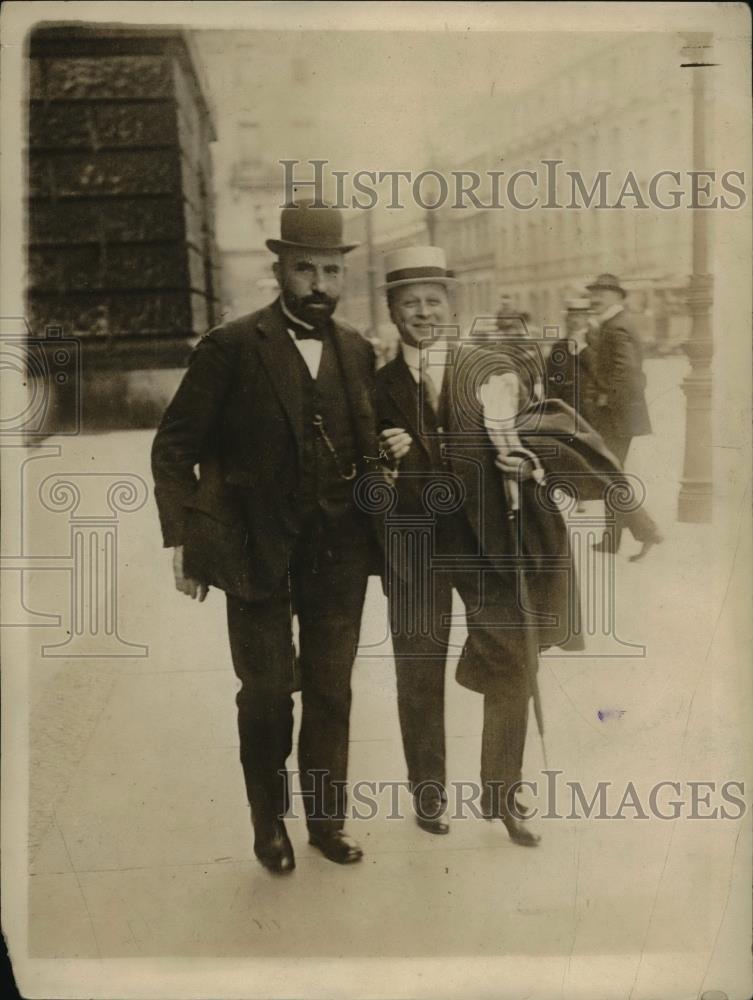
(440, 430)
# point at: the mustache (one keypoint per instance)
(317, 299)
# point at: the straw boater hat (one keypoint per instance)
(412, 264)
(579, 304)
(608, 282)
(306, 227)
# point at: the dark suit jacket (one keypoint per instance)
(236, 416)
(469, 473)
(619, 374)
(398, 406)
(571, 452)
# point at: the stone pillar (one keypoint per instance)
(372, 276)
(409, 544)
(695, 497)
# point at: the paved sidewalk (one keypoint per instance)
(140, 842)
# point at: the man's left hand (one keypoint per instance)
(396, 442)
(515, 466)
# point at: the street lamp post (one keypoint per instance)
(372, 276)
(695, 497)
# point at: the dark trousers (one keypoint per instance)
(325, 588)
(619, 446)
(495, 657)
(420, 606)
(502, 745)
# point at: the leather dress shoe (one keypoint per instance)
(336, 846)
(439, 824)
(649, 543)
(521, 810)
(273, 848)
(430, 814)
(519, 834)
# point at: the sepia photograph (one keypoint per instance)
(376, 500)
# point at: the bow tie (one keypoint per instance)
(301, 333)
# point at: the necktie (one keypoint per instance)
(428, 389)
(301, 333)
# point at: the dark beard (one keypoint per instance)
(303, 309)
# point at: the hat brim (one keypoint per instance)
(607, 288)
(277, 245)
(416, 281)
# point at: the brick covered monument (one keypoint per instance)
(121, 236)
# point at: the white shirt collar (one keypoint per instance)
(436, 369)
(412, 356)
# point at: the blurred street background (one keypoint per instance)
(154, 180)
(481, 102)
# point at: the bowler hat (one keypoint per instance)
(308, 227)
(608, 282)
(409, 265)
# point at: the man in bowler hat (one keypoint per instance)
(620, 412)
(276, 409)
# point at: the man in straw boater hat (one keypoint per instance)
(620, 412)
(472, 511)
(276, 409)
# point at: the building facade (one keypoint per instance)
(249, 71)
(122, 254)
(596, 115)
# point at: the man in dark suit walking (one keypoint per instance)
(451, 504)
(620, 412)
(409, 392)
(276, 409)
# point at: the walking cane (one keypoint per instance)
(532, 651)
(499, 398)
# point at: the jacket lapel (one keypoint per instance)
(403, 392)
(280, 364)
(358, 385)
